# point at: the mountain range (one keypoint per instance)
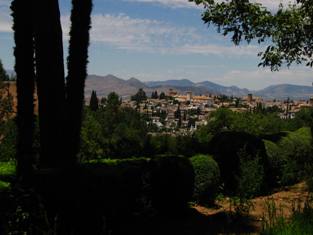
(103, 85)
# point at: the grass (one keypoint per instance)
(300, 222)
(4, 186)
(7, 169)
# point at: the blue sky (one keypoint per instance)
(160, 40)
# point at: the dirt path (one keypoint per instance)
(285, 201)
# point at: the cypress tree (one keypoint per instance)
(94, 102)
(24, 68)
(77, 72)
(50, 81)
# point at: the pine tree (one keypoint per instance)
(94, 102)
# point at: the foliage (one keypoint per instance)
(4, 186)
(94, 101)
(226, 148)
(91, 137)
(162, 96)
(172, 182)
(301, 221)
(139, 96)
(3, 74)
(251, 176)
(8, 140)
(207, 178)
(7, 170)
(291, 156)
(289, 29)
(154, 95)
(112, 131)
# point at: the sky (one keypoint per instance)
(160, 40)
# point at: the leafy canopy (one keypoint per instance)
(288, 33)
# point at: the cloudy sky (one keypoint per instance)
(163, 39)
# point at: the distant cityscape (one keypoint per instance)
(185, 113)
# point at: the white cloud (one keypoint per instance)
(271, 4)
(211, 49)
(170, 3)
(5, 19)
(144, 35)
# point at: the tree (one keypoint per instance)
(162, 96)
(139, 96)
(3, 74)
(94, 102)
(60, 104)
(289, 30)
(113, 102)
(154, 95)
(25, 79)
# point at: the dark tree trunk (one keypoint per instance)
(24, 67)
(50, 82)
(77, 72)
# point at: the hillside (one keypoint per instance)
(125, 88)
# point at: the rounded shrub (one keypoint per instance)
(172, 182)
(207, 178)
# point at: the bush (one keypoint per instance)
(7, 141)
(172, 182)
(207, 178)
(7, 170)
(251, 176)
(225, 148)
(290, 157)
(121, 188)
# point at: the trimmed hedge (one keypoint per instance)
(122, 187)
(207, 179)
(172, 182)
(290, 156)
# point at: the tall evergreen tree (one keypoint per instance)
(77, 72)
(24, 68)
(94, 102)
(50, 81)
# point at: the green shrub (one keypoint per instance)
(251, 176)
(172, 182)
(7, 141)
(7, 170)
(207, 178)
(290, 157)
(226, 148)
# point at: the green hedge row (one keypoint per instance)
(290, 156)
(123, 186)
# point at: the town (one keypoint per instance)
(172, 112)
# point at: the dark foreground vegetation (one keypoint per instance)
(97, 170)
(127, 176)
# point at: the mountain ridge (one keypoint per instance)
(125, 88)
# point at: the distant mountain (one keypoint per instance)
(135, 83)
(171, 83)
(284, 91)
(125, 88)
(103, 85)
(219, 89)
